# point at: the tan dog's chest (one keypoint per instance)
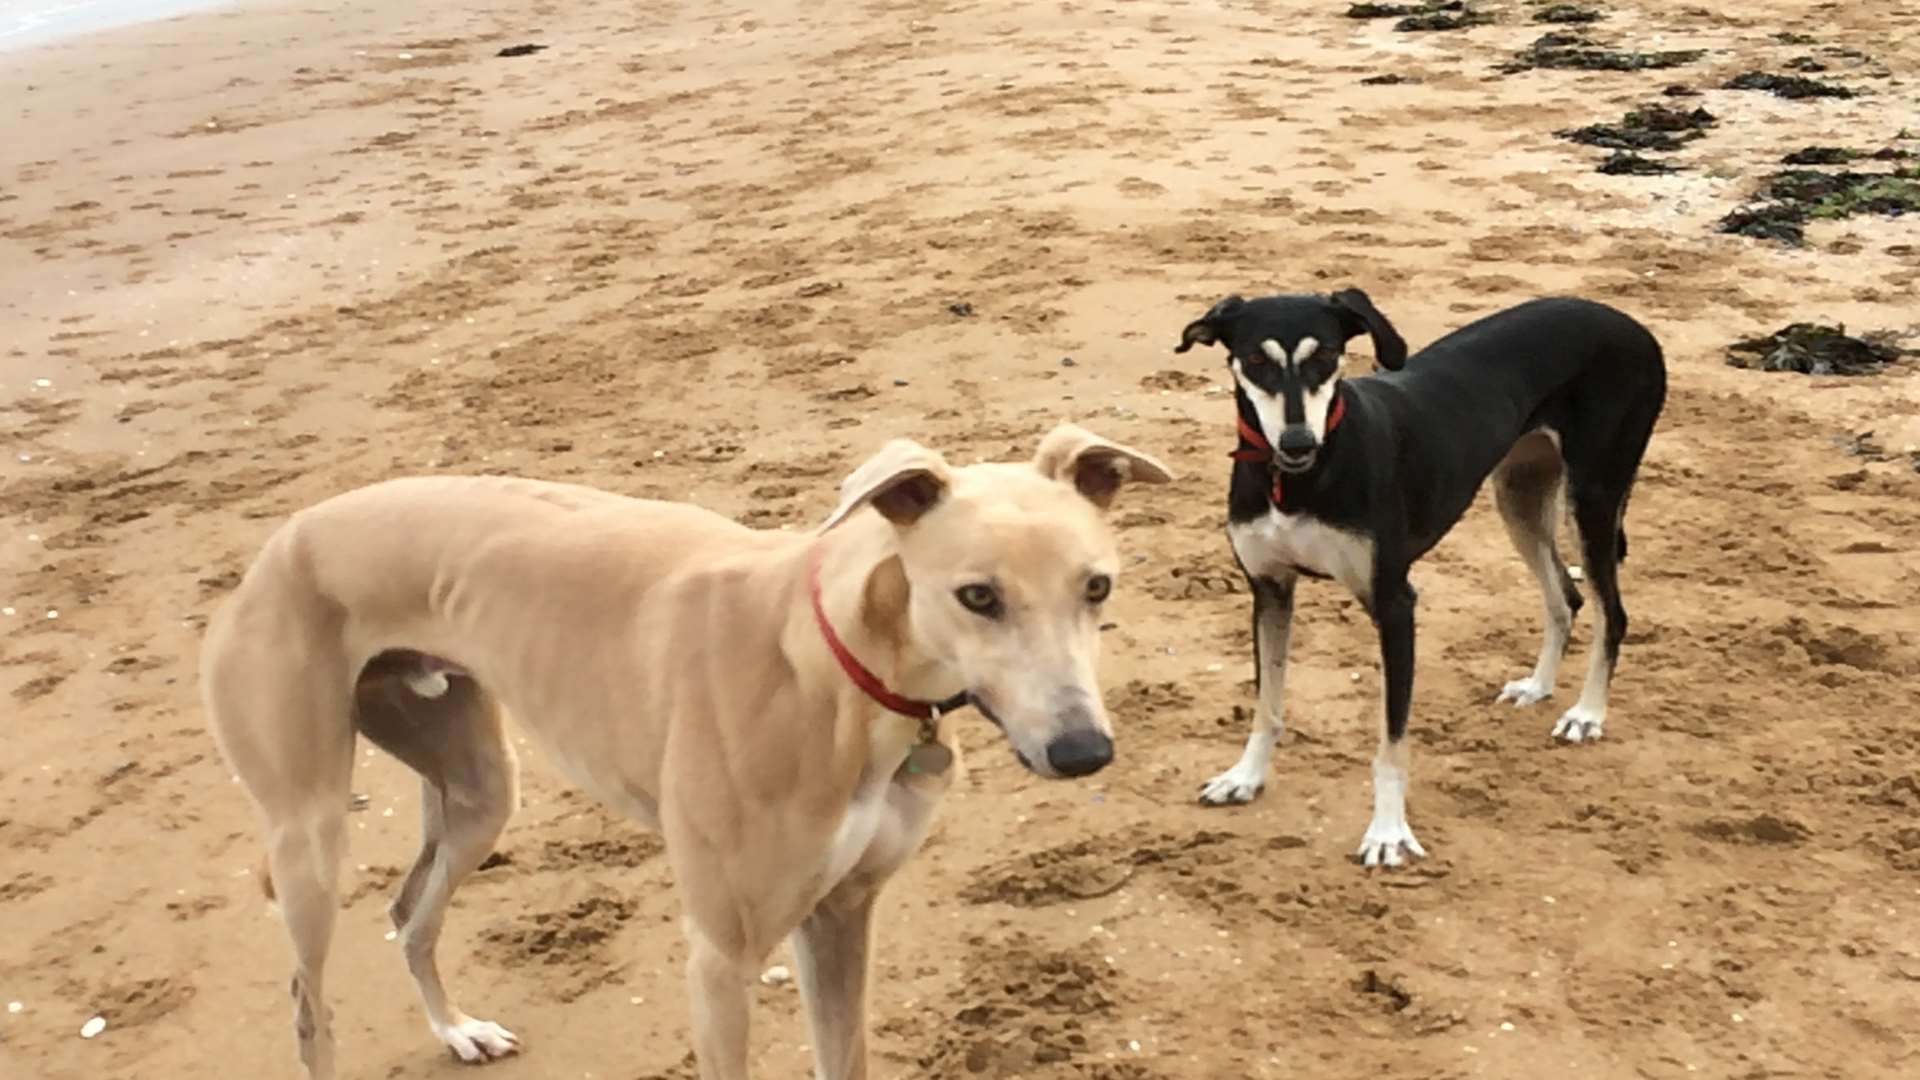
(884, 829)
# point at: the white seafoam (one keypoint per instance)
(37, 22)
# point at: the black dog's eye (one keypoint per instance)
(1099, 587)
(979, 599)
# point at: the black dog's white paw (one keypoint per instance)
(1235, 786)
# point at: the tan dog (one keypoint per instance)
(764, 699)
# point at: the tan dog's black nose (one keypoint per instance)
(1080, 753)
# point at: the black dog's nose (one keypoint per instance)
(1080, 753)
(1297, 441)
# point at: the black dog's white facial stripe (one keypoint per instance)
(1271, 408)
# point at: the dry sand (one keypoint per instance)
(707, 250)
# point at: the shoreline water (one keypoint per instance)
(29, 23)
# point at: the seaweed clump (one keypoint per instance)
(1840, 155)
(1567, 14)
(1628, 163)
(1649, 127)
(1794, 197)
(1394, 11)
(1576, 51)
(1431, 15)
(1820, 155)
(1443, 20)
(1813, 349)
(1791, 87)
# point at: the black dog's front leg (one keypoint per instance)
(1389, 841)
(1272, 629)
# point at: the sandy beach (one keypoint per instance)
(256, 255)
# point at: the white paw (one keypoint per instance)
(474, 1041)
(1389, 845)
(1524, 692)
(1579, 726)
(1237, 785)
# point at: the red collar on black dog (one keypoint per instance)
(1262, 451)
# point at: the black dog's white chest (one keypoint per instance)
(1278, 544)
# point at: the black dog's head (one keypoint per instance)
(1286, 352)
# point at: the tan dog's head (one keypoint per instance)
(1007, 568)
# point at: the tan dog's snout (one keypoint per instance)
(1070, 738)
(1081, 750)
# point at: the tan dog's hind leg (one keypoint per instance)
(830, 957)
(469, 788)
(286, 728)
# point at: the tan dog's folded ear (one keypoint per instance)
(1093, 465)
(903, 481)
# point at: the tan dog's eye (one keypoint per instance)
(979, 599)
(1099, 586)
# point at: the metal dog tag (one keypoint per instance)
(929, 759)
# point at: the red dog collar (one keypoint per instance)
(1262, 451)
(863, 678)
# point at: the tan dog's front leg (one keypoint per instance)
(830, 954)
(717, 985)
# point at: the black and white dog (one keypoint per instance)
(1356, 479)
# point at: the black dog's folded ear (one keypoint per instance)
(1205, 330)
(1358, 313)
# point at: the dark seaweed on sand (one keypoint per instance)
(1386, 80)
(1394, 11)
(1843, 194)
(1576, 51)
(1567, 14)
(1649, 127)
(1628, 163)
(1840, 155)
(1773, 221)
(1794, 197)
(1432, 15)
(1792, 87)
(1813, 349)
(1442, 20)
(1820, 155)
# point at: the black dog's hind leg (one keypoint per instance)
(1597, 511)
(1389, 841)
(1527, 488)
(1272, 629)
(1602, 458)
